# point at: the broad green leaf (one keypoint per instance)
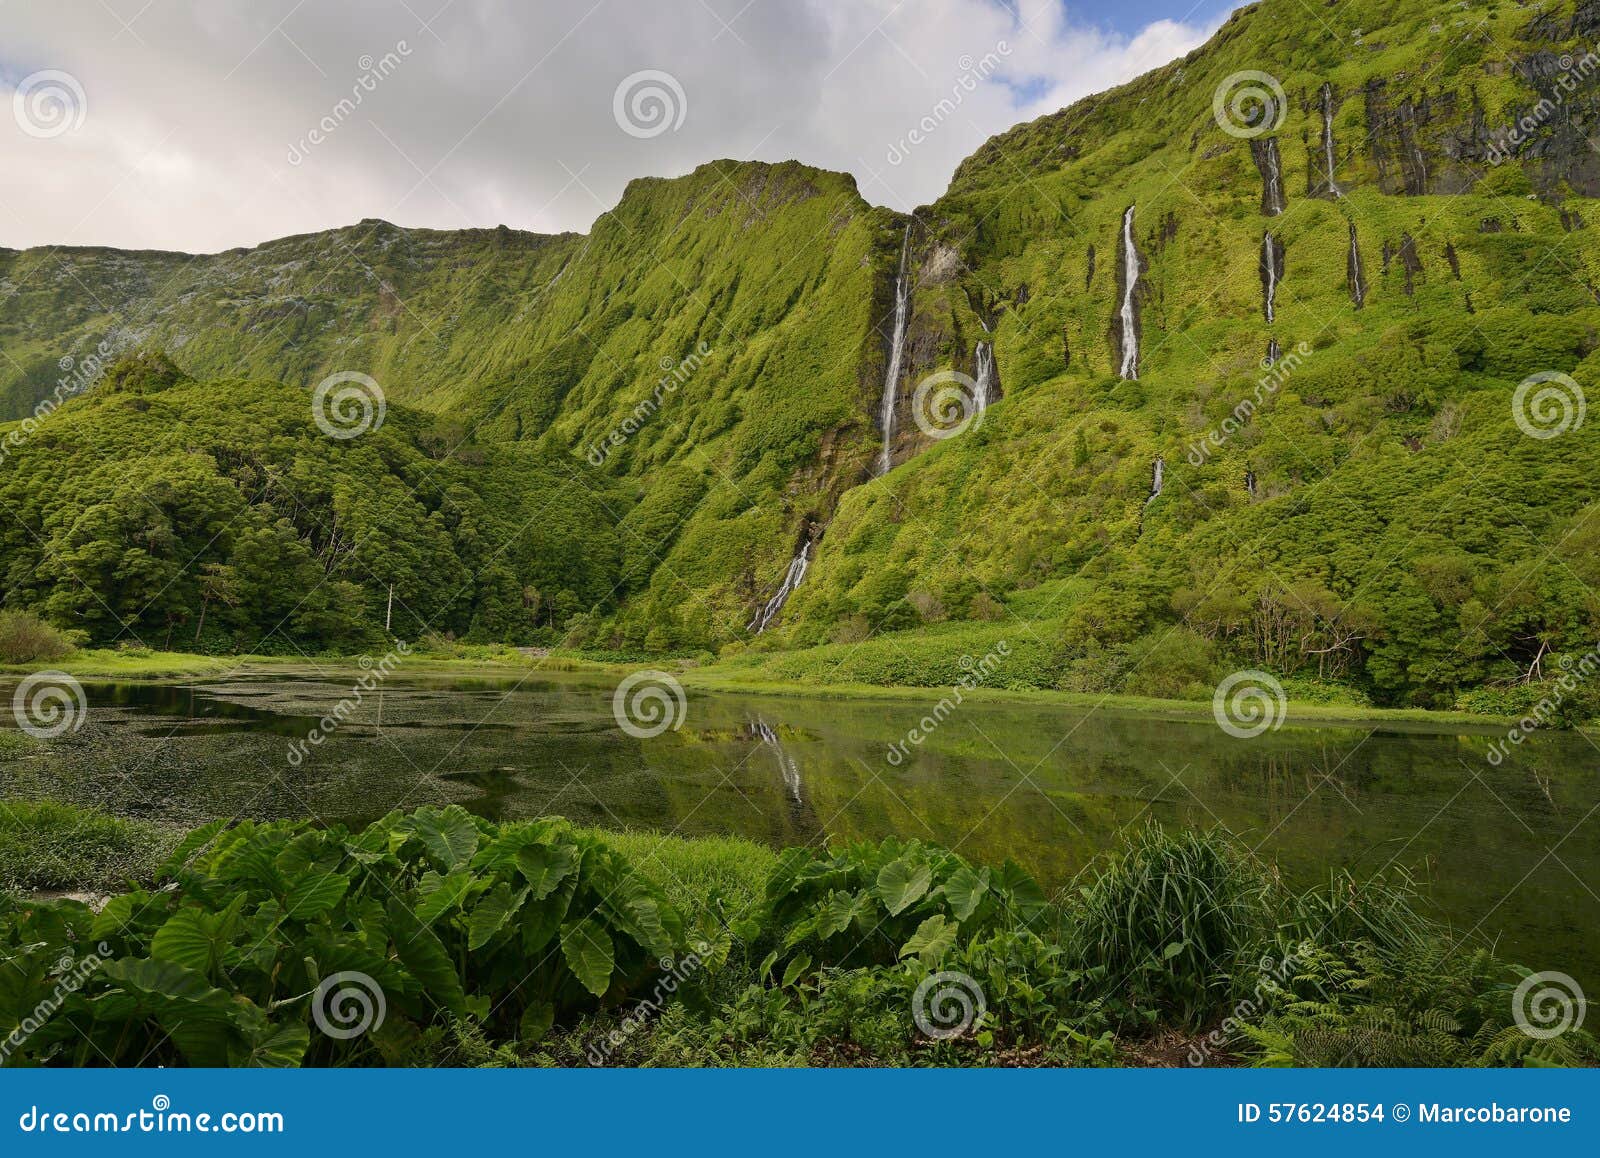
(314, 894)
(965, 891)
(491, 914)
(536, 1021)
(796, 969)
(545, 866)
(187, 939)
(450, 835)
(438, 895)
(841, 912)
(424, 957)
(278, 1047)
(187, 848)
(589, 953)
(933, 939)
(902, 883)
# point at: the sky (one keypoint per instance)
(157, 124)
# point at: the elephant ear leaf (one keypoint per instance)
(933, 939)
(536, 1021)
(314, 894)
(545, 866)
(490, 915)
(188, 847)
(589, 953)
(425, 958)
(187, 939)
(965, 891)
(902, 883)
(450, 835)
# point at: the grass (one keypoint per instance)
(696, 871)
(47, 845)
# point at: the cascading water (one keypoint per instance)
(985, 376)
(1265, 152)
(791, 580)
(1271, 261)
(897, 348)
(1358, 277)
(1158, 480)
(1274, 352)
(1327, 141)
(1129, 369)
(1250, 481)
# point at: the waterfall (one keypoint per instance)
(897, 348)
(1158, 480)
(1358, 280)
(1265, 152)
(1130, 321)
(985, 376)
(1327, 140)
(788, 766)
(791, 579)
(1250, 481)
(1274, 352)
(1271, 263)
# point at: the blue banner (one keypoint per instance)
(801, 1112)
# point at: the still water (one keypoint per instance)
(1510, 853)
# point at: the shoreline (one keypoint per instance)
(167, 667)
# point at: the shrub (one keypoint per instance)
(25, 638)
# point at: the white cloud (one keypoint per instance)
(497, 111)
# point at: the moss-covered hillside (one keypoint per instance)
(710, 361)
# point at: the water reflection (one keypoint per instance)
(1516, 847)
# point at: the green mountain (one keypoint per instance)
(1402, 231)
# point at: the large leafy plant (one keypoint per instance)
(440, 915)
(879, 903)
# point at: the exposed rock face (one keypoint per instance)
(1410, 261)
(1265, 152)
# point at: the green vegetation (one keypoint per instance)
(47, 845)
(1365, 519)
(27, 639)
(533, 942)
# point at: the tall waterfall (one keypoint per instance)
(985, 376)
(1271, 271)
(1158, 480)
(1130, 321)
(1265, 152)
(1357, 276)
(1327, 141)
(791, 580)
(897, 349)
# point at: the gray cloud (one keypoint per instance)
(201, 123)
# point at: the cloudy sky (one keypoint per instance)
(203, 126)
